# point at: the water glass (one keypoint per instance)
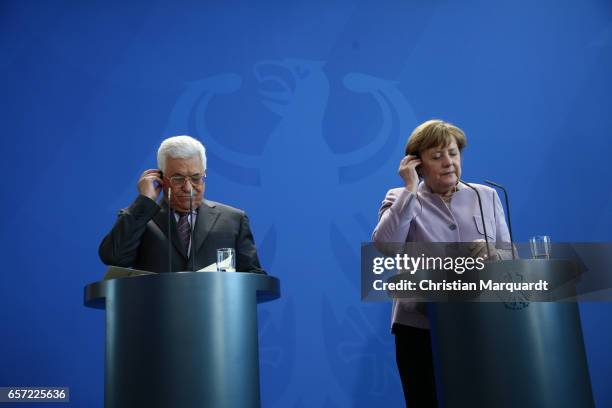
(540, 246)
(226, 260)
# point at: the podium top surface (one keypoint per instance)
(265, 287)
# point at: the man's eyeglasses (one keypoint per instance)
(179, 181)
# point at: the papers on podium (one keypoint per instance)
(114, 272)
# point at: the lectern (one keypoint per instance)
(514, 352)
(183, 339)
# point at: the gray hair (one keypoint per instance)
(180, 147)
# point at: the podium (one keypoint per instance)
(512, 353)
(183, 339)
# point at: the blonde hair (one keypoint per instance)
(434, 133)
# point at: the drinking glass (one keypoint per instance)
(226, 260)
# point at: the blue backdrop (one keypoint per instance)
(305, 108)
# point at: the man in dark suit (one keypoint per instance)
(139, 238)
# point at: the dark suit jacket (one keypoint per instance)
(139, 238)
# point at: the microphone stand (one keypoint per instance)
(484, 227)
(502, 188)
(191, 252)
(169, 230)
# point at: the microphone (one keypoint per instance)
(191, 226)
(484, 227)
(169, 229)
(502, 188)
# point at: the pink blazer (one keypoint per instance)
(424, 217)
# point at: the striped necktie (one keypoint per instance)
(184, 229)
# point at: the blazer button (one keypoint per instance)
(452, 227)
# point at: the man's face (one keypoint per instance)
(183, 175)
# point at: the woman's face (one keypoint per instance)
(441, 167)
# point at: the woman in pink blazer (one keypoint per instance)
(438, 208)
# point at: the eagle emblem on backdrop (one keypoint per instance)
(299, 152)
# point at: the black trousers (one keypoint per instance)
(415, 364)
